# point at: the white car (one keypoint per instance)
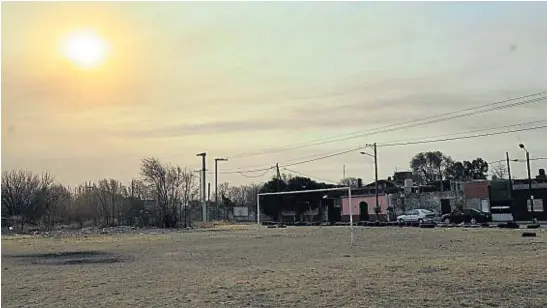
(418, 215)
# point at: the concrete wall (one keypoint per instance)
(428, 200)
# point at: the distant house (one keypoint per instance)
(363, 207)
(477, 195)
(508, 202)
(400, 177)
(521, 208)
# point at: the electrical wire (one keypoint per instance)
(516, 160)
(483, 129)
(436, 136)
(411, 123)
(255, 176)
(460, 138)
(413, 143)
(242, 172)
(308, 176)
(420, 141)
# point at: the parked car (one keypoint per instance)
(472, 216)
(418, 215)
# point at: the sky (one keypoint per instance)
(227, 78)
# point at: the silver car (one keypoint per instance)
(418, 215)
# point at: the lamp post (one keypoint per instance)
(216, 183)
(530, 195)
(203, 187)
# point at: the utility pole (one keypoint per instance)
(376, 172)
(216, 183)
(280, 200)
(203, 185)
(375, 156)
(344, 172)
(510, 180)
(530, 192)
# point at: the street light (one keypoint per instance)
(203, 185)
(216, 182)
(531, 196)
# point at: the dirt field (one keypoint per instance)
(293, 267)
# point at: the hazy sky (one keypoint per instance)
(228, 78)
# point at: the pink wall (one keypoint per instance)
(371, 200)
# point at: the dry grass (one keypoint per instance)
(293, 267)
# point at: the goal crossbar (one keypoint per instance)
(308, 191)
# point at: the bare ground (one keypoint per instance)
(293, 267)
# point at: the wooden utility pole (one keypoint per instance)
(216, 184)
(376, 173)
(278, 189)
(509, 176)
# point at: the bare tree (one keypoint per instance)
(155, 176)
(85, 205)
(25, 195)
(349, 181)
(167, 184)
(223, 189)
(110, 196)
(175, 181)
(499, 171)
(190, 190)
(58, 205)
(136, 189)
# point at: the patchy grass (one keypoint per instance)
(292, 267)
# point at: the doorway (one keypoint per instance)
(363, 209)
(445, 206)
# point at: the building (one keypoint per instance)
(363, 207)
(509, 201)
(521, 209)
(477, 195)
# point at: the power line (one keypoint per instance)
(439, 139)
(309, 176)
(516, 160)
(424, 123)
(436, 136)
(461, 138)
(415, 142)
(255, 176)
(242, 172)
(411, 123)
(483, 129)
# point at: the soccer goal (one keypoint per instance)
(348, 189)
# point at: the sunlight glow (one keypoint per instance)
(85, 49)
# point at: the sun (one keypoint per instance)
(85, 48)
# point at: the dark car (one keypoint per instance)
(472, 216)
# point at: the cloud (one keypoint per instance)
(354, 113)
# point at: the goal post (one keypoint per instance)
(309, 191)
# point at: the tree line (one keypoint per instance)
(436, 166)
(166, 195)
(163, 195)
